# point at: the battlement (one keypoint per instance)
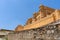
(19, 28)
(43, 12)
(43, 17)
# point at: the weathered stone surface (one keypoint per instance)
(4, 33)
(44, 25)
(49, 32)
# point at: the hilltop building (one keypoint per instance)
(44, 16)
(44, 25)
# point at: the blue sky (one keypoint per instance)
(15, 12)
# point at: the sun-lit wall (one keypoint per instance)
(43, 17)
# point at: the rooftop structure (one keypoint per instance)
(44, 16)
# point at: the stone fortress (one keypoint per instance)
(43, 17)
(44, 25)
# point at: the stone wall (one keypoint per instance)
(4, 33)
(48, 32)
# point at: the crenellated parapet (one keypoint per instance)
(43, 12)
(19, 28)
(29, 21)
(44, 16)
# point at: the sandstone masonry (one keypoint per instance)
(44, 25)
